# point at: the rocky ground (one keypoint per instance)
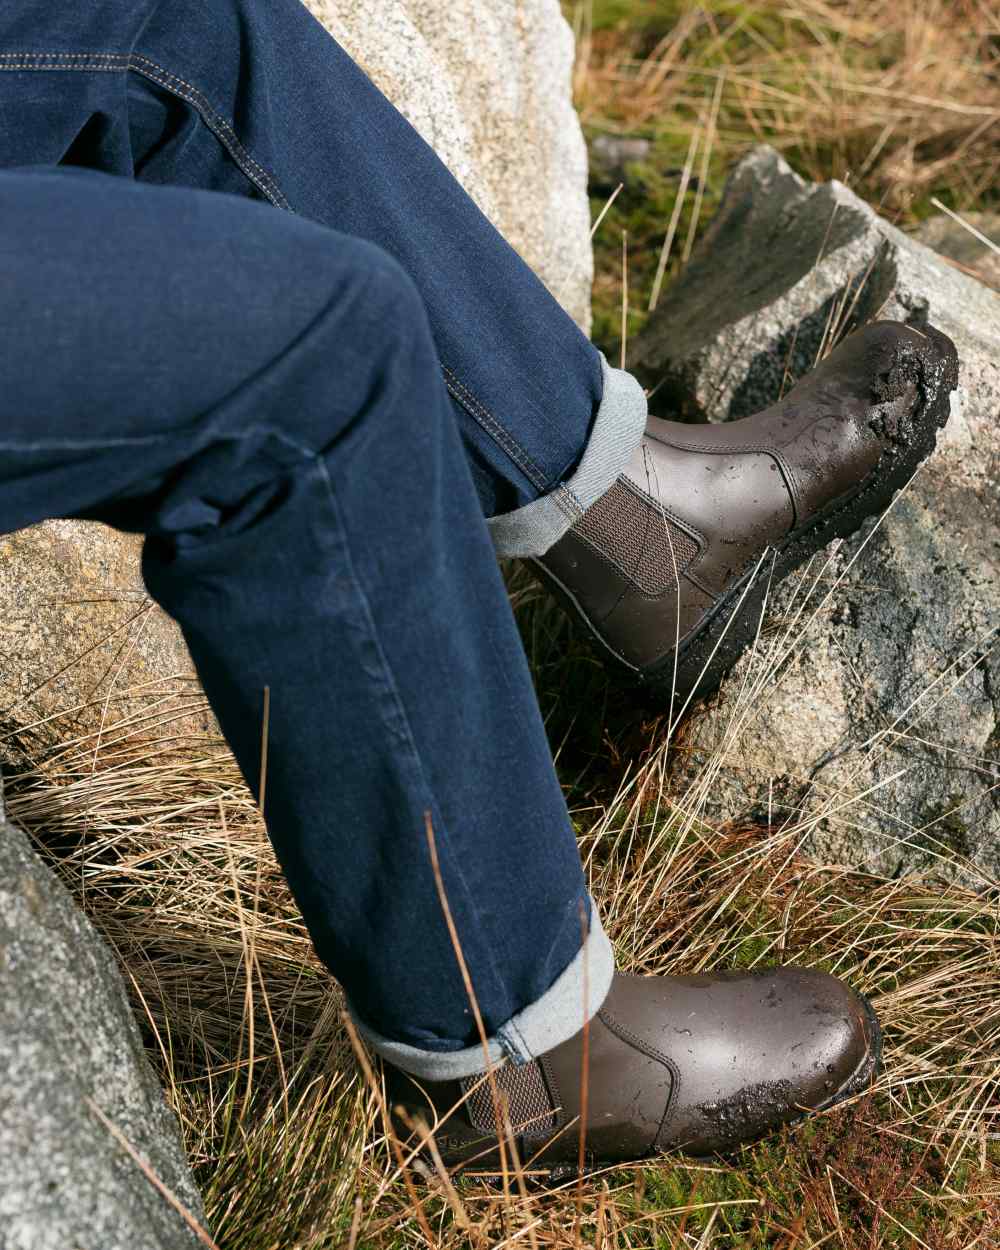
(868, 715)
(75, 1083)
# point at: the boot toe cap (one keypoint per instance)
(771, 1046)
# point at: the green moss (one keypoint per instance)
(786, 1182)
(643, 15)
(689, 1195)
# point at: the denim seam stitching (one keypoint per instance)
(567, 502)
(512, 1040)
(496, 431)
(265, 182)
(218, 125)
(509, 1049)
(146, 68)
(23, 60)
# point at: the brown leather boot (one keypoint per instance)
(701, 1064)
(659, 567)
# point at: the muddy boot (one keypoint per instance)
(699, 1064)
(670, 567)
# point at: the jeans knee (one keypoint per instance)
(364, 350)
(373, 300)
(391, 296)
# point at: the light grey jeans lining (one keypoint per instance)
(618, 428)
(543, 1024)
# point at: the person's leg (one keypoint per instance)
(261, 397)
(653, 534)
(256, 96)
(650, 532)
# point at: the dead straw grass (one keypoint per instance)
(897, 94)
(163, 846)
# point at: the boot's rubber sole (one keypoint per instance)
(866, 1071)
(720, 638)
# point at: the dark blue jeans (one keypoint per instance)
(247, 312)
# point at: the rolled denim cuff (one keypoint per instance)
(617, 430)
(551, 1019)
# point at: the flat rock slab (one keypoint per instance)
(68, 1038)
(868, 716)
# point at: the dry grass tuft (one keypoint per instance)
(898, 94)
(164, 848)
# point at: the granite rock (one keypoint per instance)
(68, 1040)
(867, 718)
(82, 647)
(963, 248)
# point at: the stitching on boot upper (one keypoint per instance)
(625, 1034)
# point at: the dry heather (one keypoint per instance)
(162, 845)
